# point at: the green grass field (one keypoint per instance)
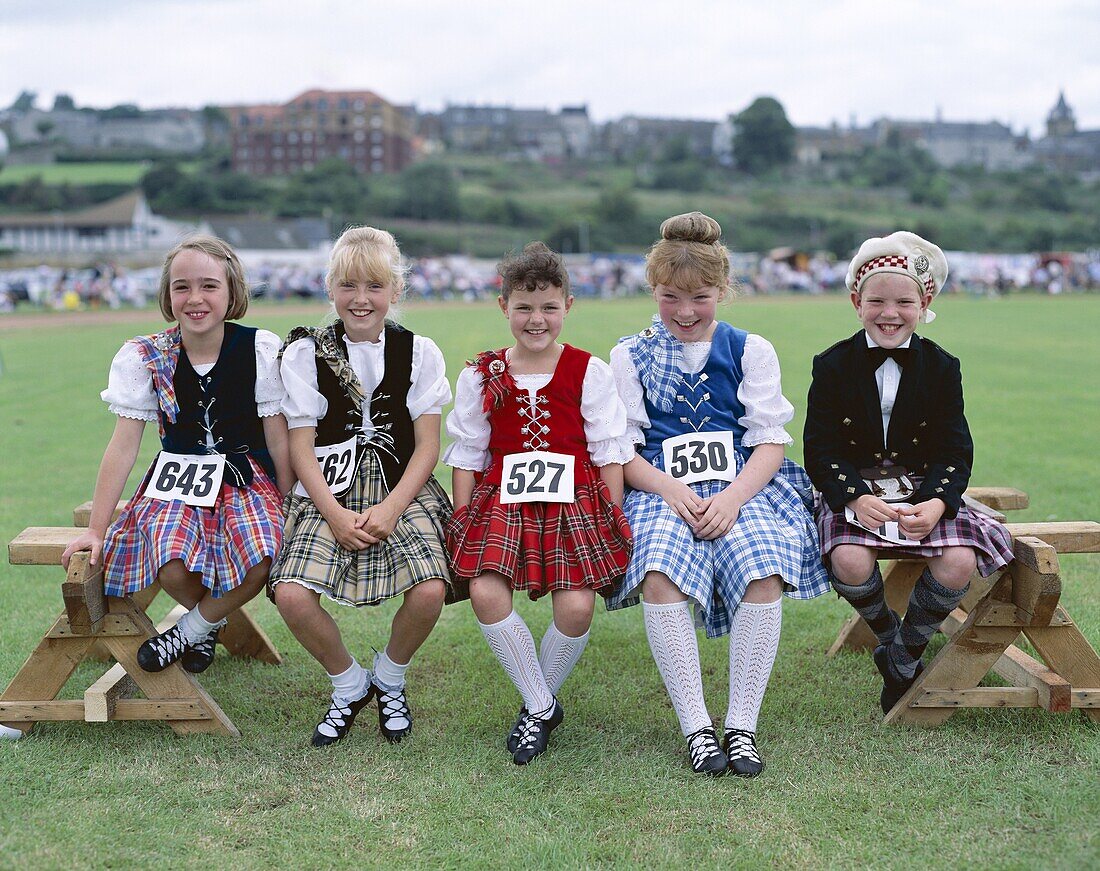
(990, 788)
(128, 172)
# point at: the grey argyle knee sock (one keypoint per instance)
(869, 600)
(929, 604)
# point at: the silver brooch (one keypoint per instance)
(162, 342)
(496, 367)
(649, 333)
(921, 264)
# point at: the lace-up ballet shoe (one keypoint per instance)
(197, 657)
(341, 714)
(706, 756)
(517, 729)
(740, 748)
(160, 651)
(894, 684)
(394, 717)
(534, 734)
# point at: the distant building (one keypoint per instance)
(1061, 121)
(536, 134)
(1066, 148)
(632, 136)
(989, 144)
(815, 145)
(358, 127)
(172, 131)
(119, 225)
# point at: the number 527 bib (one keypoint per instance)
(700, 456)
(537, 476)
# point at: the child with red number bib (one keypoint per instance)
(889, 448)
(367, 522)
(722, 521)
(538, 445)
(206, 521)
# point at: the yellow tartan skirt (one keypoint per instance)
(414, 552)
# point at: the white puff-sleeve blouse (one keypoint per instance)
(130, 390)
(767, 411)
(603, 413)
(304, 404)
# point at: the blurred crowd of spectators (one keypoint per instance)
(464, 278)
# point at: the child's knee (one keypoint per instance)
(294, 600)
(427, 596)
(852, 563)
(764, 590)
(573, 613)
(954, 567)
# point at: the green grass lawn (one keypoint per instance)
(1000, 788)
(129, 172)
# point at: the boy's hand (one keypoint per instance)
(682, 499)
(345, 528)
(719, 515)
(872, 512)
(85, 541)
(921, 519)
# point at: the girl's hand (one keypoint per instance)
(921, 519)
(872, 512)
(681, 499)
(378, 521)
(345, 528)
(719, 514)
(85, 541)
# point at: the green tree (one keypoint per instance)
(333, 186)
(764, 138)
(429, 192)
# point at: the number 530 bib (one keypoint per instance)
(700, 456)
(195, 479)
(537, 476)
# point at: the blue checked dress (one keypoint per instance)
(736, 389)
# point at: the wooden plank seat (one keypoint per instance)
(117, 627)
(1022, 598)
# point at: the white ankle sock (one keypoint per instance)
(754, 640)
(351, 684)
(195, 627)
(511, 641)
(388, 674)
(671, 633)
(558, 653)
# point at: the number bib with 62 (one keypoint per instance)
(700, 456)
(537, 476)
(337, 464)
(195, 479)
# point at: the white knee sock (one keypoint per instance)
(388, 674)
(671, 633)
(754, 640)
(558, 654)
(511, 641)
(351, 684)
(195, 627)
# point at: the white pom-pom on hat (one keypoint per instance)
(903, 253)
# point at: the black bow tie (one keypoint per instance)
(878, 356)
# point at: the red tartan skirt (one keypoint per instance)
(543, 546)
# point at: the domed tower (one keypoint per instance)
(1060, 121)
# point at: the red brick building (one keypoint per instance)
(358, 127)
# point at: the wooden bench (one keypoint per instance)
(97, 625)
(1022, 598)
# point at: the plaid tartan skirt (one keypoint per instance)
(991, 541)
(543, 546)
(774, 535)
(414, 552)
(244, 526)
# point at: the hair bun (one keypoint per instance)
(691, 227)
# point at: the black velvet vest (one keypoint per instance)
(225, 401)
(393, 440)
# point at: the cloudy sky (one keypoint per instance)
(824, 60)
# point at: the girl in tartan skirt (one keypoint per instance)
(538, 445)
(366, 521)
(206, 521)
(887, 443)
(721, 520)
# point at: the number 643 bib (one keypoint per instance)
(700, 456)
(195, 479)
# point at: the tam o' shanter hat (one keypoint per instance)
(903, 253)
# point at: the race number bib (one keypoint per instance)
(537, 476)
(195, 479)
(889, 531)
(338, 466)
(700, 456)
